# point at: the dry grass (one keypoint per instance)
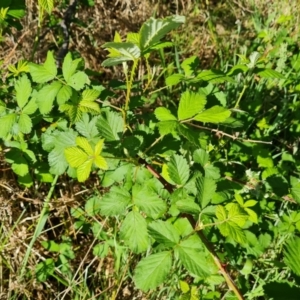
(210, 28)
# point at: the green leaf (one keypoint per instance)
(206, 188)
(134, 232)
(87, 128)
(23, 90)
(6, 124)
(215, 114)
(90, 95)
(113, 61)
(167, 127)
(229, 224)
(31, 107)
(46, 96)
(115, 201)
(25, 123)
(214, 76)
(64, 94)
(153, 30)
(152, 270)
(201, 157)
(78, 80)
(110, 126)
(57, 142)
(69, 66)
(43, 73)
(194, 257)
(128, 50)
(190, 104)
(269, 73)
(291, 255)
(174, 79)
(178, 169)
(163, 114)
(44, 269)
(164, 233)
(46, 5)
(148, 201)
(18, 163)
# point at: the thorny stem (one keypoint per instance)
(240, 97)
(202, 236)
(229, 135)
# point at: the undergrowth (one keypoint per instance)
(171, 178)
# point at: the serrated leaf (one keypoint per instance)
(115, 201)
(89, 106)
(134, 232)
(194, 258)
(190, 104)
(85, 145)
(148, 201)
(84, 170)
(129, 50)
(90, 95)
(110, 126)
(206, 188)
(46, 96)
(18, 163)
(291, 255)
(46, 5)
(75, 156)
(174, 79)
(215, 114)
(201, 157)
(152, 270)
(188, 206)
(23, 90)
(163, 114)
(64, 94)
(214, 76)
(178, 169)
(270, 74)
(25, 123)
(45, 72)
(167, 127)
(6, 124)
(87, 127)
(153, 30)
(30, 107)
(164, 233)
(69, 66)
(78, 80)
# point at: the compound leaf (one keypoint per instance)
(152, 270)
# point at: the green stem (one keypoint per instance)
(40, 225)
(240, 97)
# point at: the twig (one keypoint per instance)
(229, 135)
(190, 218)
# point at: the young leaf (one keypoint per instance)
(64, 94)
(190, 104)
(215, 114)
(152, 270)
(115, 201)
(30, 107)
(23, 90)
(148, 201)
(167, 127)
(25, 123)
(164, 233)
(44, 269)
(153, 30)
(134, 232)
(178, 169)
(206, 188)
(44, 73)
